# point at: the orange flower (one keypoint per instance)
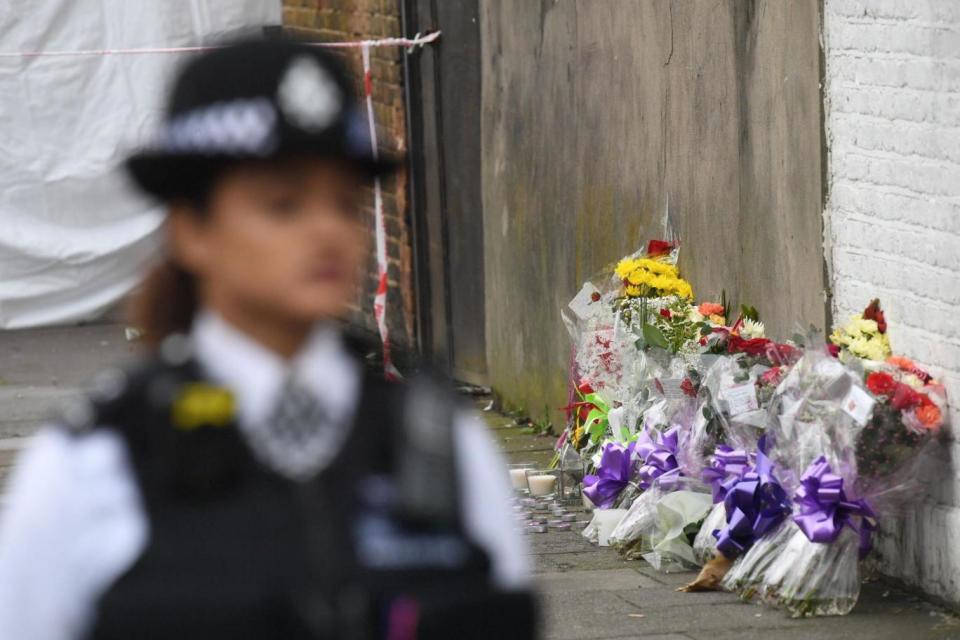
(710, 309)
(908, 365)
(899, 361)
(929, 416)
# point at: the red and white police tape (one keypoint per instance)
(380, 231)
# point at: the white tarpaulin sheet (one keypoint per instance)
(74, 237)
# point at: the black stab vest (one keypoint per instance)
(237, 551)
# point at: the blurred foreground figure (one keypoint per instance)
(249, 479)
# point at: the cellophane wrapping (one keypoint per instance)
(784, 568)
(715, 424)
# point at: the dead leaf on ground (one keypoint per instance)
(710, 576)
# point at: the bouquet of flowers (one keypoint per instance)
(807, 563)
(661, 522)
(909, 410)
(843, 459)
(736, 395)
(907, 403)
(606, 321)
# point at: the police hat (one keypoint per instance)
(254, 100)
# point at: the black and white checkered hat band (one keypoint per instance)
(235, 127)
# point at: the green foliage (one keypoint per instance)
(654, 337)
(749, 313)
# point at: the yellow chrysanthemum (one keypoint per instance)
(639, 276)
(649, 277)
(658, 267)
(625, 267)
(683, 289)
(861, 325)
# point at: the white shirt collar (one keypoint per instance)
(254, 373)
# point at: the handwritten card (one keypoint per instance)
(583, 304)
(741, 398)
(858, 404)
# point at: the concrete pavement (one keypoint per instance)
(41, 368)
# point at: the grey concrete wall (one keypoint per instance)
(596, 113)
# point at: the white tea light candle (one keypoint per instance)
(519, 478)
(542, 485)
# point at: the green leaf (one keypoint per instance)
(598, 402)
(598, 425)
(749, 313)
(654, 337)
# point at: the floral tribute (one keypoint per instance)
(770, 464)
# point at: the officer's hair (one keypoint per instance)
(167, 298)
(165, 303)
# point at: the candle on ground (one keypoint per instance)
(542, 485)
(519, 478)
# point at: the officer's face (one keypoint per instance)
(278, 240)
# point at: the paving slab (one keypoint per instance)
(580, 561)
(42, 369)
(61, 356)
(594, 580)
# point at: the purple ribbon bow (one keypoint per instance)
(755, 503)
(613, 475)
(824, 508)
(726, 468)
(659, 456)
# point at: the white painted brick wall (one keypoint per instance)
(893, 227)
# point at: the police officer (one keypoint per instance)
(249, 479)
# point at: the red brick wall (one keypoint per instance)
(339, 20)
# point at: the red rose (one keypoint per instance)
(595, 296)
(881, 384)
(781, 354)
(687, 387)
(873, 312)
(904, 397)
(833, 350)
(585, 388)
(665, 313)
(658, 247)
(752, 347)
